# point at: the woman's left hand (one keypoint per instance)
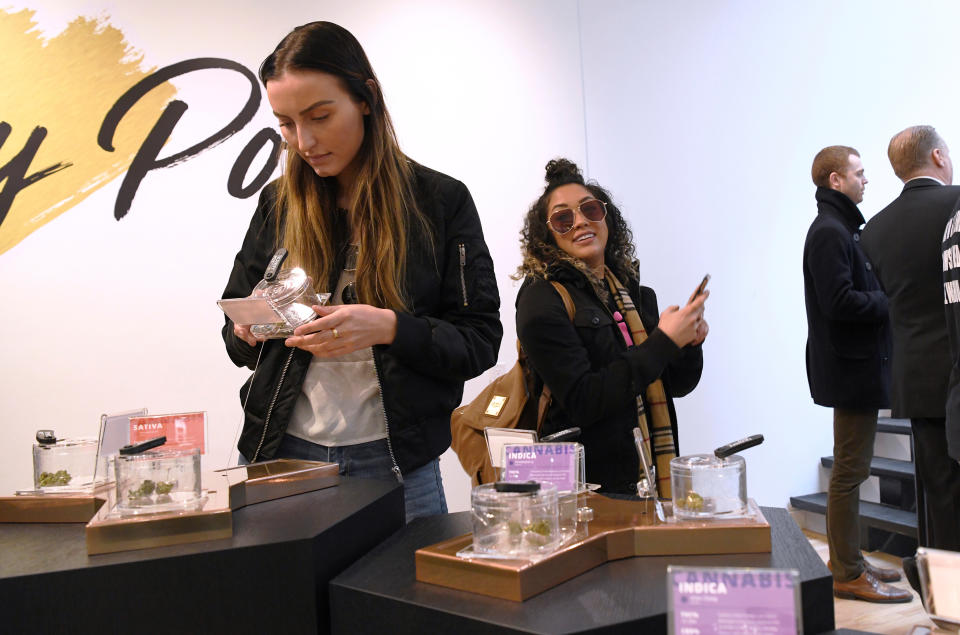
(702, 329)
(345, 328)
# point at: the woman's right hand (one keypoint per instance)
(681, 325)
(243, 332)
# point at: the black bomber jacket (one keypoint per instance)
(451, 333)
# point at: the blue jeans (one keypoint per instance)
(422, 488)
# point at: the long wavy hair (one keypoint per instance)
(539, 246)
(382, 205)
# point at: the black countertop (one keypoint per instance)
(380, 594)
(270, 576)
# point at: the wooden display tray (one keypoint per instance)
(76, 507)
(620, 529)
(225, 491)
(111, 531)
(259, 482)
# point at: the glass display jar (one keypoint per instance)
(67, 464)
(158, 480)
(707, 487)
(292, 297)
(515, 524)
(574, 513)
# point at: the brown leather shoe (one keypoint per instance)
(869, 589)
(884, 575)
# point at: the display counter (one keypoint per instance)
(271, 576)
(380, 594)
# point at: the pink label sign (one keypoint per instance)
(184, 431)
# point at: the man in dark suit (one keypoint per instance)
(903, 242)
(848, 345)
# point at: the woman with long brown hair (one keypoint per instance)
(372, 381)
(617, 365)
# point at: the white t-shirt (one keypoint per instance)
(340, 401)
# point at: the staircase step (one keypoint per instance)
(871, 514)
(894, 426)
(882, 466)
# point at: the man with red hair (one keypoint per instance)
(848, 346)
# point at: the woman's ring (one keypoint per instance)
(336, 334)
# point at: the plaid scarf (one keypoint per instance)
(661, 439)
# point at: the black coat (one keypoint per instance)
(593, 376)
(452, 332)
(951, 299)
(903, 244)
(848, 330)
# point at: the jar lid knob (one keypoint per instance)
(732, 448)
(273, 268)
(143, 446)
(526, 487)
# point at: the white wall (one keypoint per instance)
(702, 118)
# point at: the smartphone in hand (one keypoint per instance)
(700, 288)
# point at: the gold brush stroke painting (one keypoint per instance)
(67, 84)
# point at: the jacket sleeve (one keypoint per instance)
(683, 372)
(560, 358)
(829, 259)
(460, 337)
(248, 267)
(871, 253)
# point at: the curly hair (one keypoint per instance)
(539, 247)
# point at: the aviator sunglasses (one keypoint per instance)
(563, 220)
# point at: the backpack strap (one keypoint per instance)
(565, 296)
(545, 396)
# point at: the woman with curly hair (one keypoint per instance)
(617, 365)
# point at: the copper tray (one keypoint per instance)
(620, 529)
(259, 482)
(51, 508)
(224, 491)
(211, 519)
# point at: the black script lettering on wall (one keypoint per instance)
(246, 157)
(13, 175)
(148, 156)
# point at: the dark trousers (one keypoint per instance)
(853, 434)
(938, 486)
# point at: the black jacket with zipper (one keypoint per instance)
(450, 334)
(593, 376)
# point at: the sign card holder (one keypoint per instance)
(940, 583)
(114, 434)
(557, 463)
(499, 437)
(184, 431)
(733, 600)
